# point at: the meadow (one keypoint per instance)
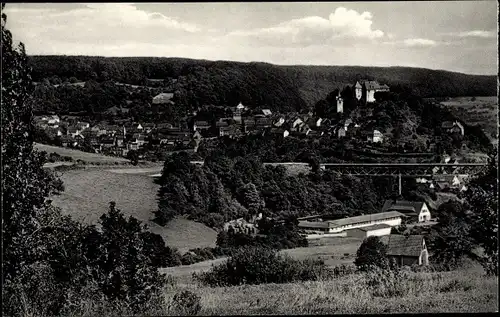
(460, 291)
(482, 111)
(80, 155)
(88, 192)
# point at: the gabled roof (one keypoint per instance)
(315, 224)
(365, 218)
(403, 206)
(373, 84)
(374, 227)
(267, 112)
(397, 244)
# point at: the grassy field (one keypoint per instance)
(332, 250)
(88, 193)
(75, 154)
(456, 292)
(482, 111)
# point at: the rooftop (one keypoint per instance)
(366, 218)
(403, 245)
(402, 205)
(374, 227)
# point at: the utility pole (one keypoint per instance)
(399, 181)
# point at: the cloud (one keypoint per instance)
(97, 24)
(474, 33)
(419, 42)
(415, 43)
(341, 25)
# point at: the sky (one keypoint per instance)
(451, 35)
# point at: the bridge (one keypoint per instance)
(390, 169)
(399, 170)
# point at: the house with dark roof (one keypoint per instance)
(406, 249)
(450, 181)
(366, 89)
(412, 209)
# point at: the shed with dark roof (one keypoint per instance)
(406, 249)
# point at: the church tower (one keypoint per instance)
(340, 104)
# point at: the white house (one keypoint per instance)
(378, 137)
(365, 232)
(279, 122)
(53, 120)
(297, 122)
(408, 208)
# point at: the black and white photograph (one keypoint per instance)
(249, 158)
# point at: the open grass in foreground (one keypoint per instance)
(411, 292)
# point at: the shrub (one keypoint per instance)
(186, 303)
(257, 265)
(383, 282)
(371, 253)
(343, 270)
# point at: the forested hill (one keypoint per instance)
(258, 84)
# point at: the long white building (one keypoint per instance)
(391, 218)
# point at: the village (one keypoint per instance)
(249, 159)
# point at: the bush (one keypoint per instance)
(186, 303)
(372, 253)
(383, 282)
(257, 265)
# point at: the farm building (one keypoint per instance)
(412, 209)
(365, 232)
(391, 218)
(406, 250)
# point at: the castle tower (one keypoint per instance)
(340, 104)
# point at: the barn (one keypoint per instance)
(406, 249)
(365, 232)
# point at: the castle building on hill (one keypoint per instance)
(366, 89)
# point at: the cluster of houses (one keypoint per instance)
(446, 178)
(118, 139)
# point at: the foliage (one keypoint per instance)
(262, 265)
(227, 188)
(450, 239)
(384, 282)
(186, 303)
(482, 201)
(25, 184)
(371, 253)
(272, 235)
(133, 156)
(279, 87)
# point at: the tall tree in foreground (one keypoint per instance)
(482, 202)
(25, 184)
